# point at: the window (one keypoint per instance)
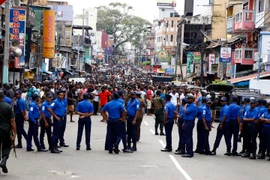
(237, 54)
(166, 38)
(172, 23)
(171, 38)
(238, 17)
(211, 1)
(248, 54)
(261, 6)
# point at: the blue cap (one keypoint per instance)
(223, 99)
(132, 93)
(184, 100)
(49, 95)
(204, 99)
(35, 96)
(208, 101)
(18, 92)
(235, 98)
(120, 93)
(85, 96)
(167, 96)
(253, 101)
(246, 99)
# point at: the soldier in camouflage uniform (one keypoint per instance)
(140, 115)
(158, 105)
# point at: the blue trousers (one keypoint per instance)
(227, 134)
(265, 139)
(113, 133)
(200, 127)
(181, 143)
(250, 135)
(57, 129)
(87, 123)
(168, 132)
(63, 129)
(188, 135)
(33, 133)
(131, 131)
(123, 134)
(234, 133)
(44, 130)
(205, 138)
(20, 128)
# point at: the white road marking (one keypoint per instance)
(152, 131)
(146, 123)
(185, 174)
(162, 143)
(149, 166)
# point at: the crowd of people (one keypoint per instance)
(123, 100)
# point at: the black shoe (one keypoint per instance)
(242, 153)
(156, 133)
(55, 151)
(202, 152)
(228, 153)
(213, 153)
(58, 146)
(162, 134)
(261, 156)
(64, 145)
(187, 156)
(116, 150)
(3, 165)
(134, 148)
(127, 151)
(179, 152)
(252, 156)
(88, 149)
(19, 146)
(166, 150)
(102, 120)
(246, 155)
(268, 159)
(29, 150)
(42, 150)
(196, 151)
(209, 153)
(236, 154)
(110, 151)
(77, 148)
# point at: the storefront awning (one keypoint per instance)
(248, 78)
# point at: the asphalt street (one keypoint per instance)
(148, 163)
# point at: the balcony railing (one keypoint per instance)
(230, 25)
(244, 56)
(259, 20)
(244, 21)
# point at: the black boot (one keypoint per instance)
(3, 165)
(54, 150)
(19, 145)
(262, 155)
(134, 148)
(161, 132)
(156, 131)
(253, 156)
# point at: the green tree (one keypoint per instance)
(117, 20)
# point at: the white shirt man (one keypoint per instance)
(174, 99)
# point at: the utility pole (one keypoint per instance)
(6, 44)
(180, 50)
(202, 56)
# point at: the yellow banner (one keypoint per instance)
(48, 34)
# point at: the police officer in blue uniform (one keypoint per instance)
(58, 111)
(261, 109)
(170, 115)
(223, 128)
(250, 133)
(133, 107)
(265, 138)
(190, 113)
(123, 127)
(34, 116)
(181, 144)
(235, 123)
(7, 99)
(116, 113)
(64, 122)
(20, 118)
(207, 123)
(85, 109)
(200, 127)
(46, 122)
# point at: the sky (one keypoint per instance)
(146, 9)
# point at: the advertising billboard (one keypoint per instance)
(168, 3)
(17, 29)
(49, 39)
(225, 54)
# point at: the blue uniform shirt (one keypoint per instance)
(114, 109)
(33, 111)
(132, 107)
(191, 112)
(251, 113)
(7, 100)
(199, 101)
(181, 111)
(85, 107)
(121, 101)
(224, 112)
(200, 111)
(21, 105)
(234, 112)
(44, 109)
(170, 108)
(206, 113)
(58, 106)
(66, 104)
(266, 115)
(262, 110)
